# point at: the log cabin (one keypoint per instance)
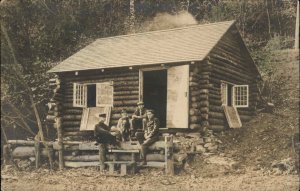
(194, 77)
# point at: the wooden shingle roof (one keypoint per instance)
(191, 43)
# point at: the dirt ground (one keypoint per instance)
(257, 157)
(90, 179)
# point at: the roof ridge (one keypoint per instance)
(167, 30)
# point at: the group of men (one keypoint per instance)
(143, 127)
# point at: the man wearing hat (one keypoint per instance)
(151, 133)
(124, 125)
(102, 132)
(137, 118)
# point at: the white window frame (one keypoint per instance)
(224, 96)
(80, 94)
(235, 91)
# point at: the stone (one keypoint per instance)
(32, 159)
(186, 166)
(180, 157)
(200, 148)
(206, 145)
(222, 154)
(199, 141)
(179, 134)
(212, 148)
(193, 135)
(207, 139)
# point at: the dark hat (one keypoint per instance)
(102, 114)
(150, 110)
(123, 111)
(140, 103)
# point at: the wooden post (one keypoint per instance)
(101, 157)
(297, 28)
(6, 154)
(169, 155)
(60, 144)
(37, 152)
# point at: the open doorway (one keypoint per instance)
(91, 95)
(155, 93)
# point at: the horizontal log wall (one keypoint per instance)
(199, 94)
(228, 61)
(126, 95)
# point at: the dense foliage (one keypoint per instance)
(46, 32)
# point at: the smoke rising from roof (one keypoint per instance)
(167, 21)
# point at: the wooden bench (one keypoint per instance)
(118, 151)
(126, 166)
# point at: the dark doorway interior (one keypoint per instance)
(155, 93)
(229, 94)
(91, 95)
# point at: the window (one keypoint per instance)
(79, 95)
(93, 95)
(240, 95)
(234, 95)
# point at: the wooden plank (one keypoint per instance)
(81, 164)
(123, 169)
(177, 97)
(155, 164)
(232, 117)
(123, 151)
(119, 162)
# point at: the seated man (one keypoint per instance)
(137, 119)
(102, 132)
(124, 125)
(151, 133)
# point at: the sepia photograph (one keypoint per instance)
(150, 95)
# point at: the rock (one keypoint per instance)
(179, 134)
(212, 148)
(180, 157)
(193, 135)
(206, 145)
(199, 141)
(32, 159)
(258, 159)
(186, 166)
(200, 148)
(207, 139)
(256, 168)
(222, 154)
(193, 176)
(192, 148)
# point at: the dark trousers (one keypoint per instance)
(136, 124)
(105, 137)
(145, 143)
